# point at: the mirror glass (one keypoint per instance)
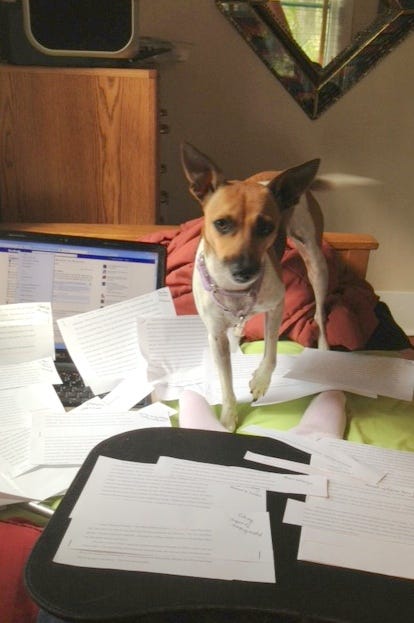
(318, 49)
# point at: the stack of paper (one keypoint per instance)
(178, 517)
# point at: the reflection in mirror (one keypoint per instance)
(323, 28)
(318, 49)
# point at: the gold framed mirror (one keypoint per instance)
(318, 49)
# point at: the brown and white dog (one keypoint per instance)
(237, 272)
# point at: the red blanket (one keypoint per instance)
(350, 304)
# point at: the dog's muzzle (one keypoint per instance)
(244, 269)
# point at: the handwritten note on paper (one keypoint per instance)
(104, 343)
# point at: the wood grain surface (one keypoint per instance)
(78, 144)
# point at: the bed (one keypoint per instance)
(357, 320)
(384, 422)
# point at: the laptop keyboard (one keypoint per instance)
(72, 392)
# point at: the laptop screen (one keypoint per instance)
(76, 274)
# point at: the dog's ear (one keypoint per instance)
(292, 183)
(203, 175)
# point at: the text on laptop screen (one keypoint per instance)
(75, 277)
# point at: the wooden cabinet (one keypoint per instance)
(78, 145)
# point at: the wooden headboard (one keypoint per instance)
(353, 249)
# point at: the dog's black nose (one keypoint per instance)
(243, 271)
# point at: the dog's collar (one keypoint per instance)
(219, 295)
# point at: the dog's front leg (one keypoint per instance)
(220, 348)
(260, 381)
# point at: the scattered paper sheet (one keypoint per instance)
(28, 373)
(172, 345)
(359, 373)
(10, 493)
(67, 439)
(281, 388)
(44, 482)
(327, 450)
(26, 332)
(15, 451)
(18, 405)
(182, 470)
(128, 393)
(104, 343)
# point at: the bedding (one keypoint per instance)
(351, 306)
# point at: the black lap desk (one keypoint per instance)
(303, 591)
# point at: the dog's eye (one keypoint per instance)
(224, 225)
(264, 228)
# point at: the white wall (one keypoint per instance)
(228, 104)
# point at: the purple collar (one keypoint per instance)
(219, 294)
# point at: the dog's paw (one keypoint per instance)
(228, 417)
(260, 382)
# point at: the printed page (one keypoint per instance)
(338, 461)
(104, 343)
(26, 332)
(197, 552)
(281, 388)
(182, 469)
(361, 526)
(16, 434)
(18, 405)
(173, 346)
(67, 439)
(359, 373)
(29, 373)
(129, 486)
(15, 451)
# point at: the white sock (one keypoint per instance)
(195, 412)
(324, 417)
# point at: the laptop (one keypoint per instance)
(75, 274)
